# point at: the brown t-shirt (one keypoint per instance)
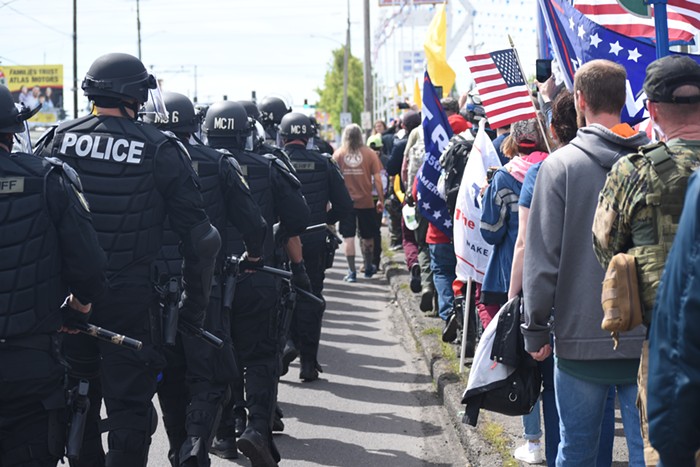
(358, 168)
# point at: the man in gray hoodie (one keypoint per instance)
(562, 278)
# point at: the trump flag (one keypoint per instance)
(436, 134)
(471, 249)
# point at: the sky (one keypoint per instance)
(272, 47)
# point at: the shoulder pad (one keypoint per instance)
(67, 170)
(224, 152)
(282, 167)
(327, 156)
(657, 153)
(174, 139)
(269, 157)
(232, 160)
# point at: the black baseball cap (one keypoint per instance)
(667, 74)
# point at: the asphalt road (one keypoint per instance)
(374, 405)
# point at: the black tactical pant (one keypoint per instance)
(305, 330)
(194, 388)
(254, 328)
(32, 403)
(125, 378)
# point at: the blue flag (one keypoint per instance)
(436, 134)
(577, 40)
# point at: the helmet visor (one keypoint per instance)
(155, 106)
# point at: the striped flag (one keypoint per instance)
(683, 18)
(501, 87)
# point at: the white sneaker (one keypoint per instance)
(530, 453)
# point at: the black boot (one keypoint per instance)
(309, 370)
(256, 448)
(288, 356)
(224, 448)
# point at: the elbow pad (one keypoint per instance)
(198, 266)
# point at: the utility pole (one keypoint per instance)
(75, 58)
(138, 25)
(368, 95)
(345, 64)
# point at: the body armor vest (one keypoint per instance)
(31, 289)
(206, 162)
(312, 171)
(668, 181)
(257, 171)
(115, 159)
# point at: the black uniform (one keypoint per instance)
(194, 384)
(321, 182)
(46, 242)
(134, 176)
(255, 308)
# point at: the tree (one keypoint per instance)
(332, 92)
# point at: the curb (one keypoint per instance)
(494, 439)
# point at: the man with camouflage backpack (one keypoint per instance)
(641, 202)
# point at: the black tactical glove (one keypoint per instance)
(70, 316)
(246, 265)
(190, 311)
(299, 276)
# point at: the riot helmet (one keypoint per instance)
(226, 124)
(295, 125)
(116, 80)
(13, 119)
(272, 109)
(251, 109)
(181, 117)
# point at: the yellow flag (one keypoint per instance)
(416, 94)
(441, 74)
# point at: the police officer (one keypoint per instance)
(254, 322)
(135, 177)
(272, 109)
(321, 183)
(320, 144)
(46, 241)
(191, 410)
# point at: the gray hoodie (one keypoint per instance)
(561, 275)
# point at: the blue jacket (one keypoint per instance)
(499, 227)
(674, 344)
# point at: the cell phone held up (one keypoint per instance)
(543, 69)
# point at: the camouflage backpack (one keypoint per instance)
(668, 183)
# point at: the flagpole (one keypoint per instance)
(661, 26)
(465, 324)
(539, 122)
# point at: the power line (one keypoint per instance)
(48, 26)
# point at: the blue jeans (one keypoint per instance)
(443, 263)
(581, 407)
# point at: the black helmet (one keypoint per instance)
(120, 76)
(295, 125)
(314, 126)
(181, 115)
(11, 118)
(251, 109)
(227, 119)
(272, 109)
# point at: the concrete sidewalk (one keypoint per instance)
(496, 436)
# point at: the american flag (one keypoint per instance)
(683, 18)
(501, 87)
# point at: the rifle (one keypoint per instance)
(79, 404)
(107, 336)
(169, 300)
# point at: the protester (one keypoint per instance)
(562, 130)
(361, 169)
(560, 274)
(627, 219)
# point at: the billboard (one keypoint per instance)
(36, 84)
